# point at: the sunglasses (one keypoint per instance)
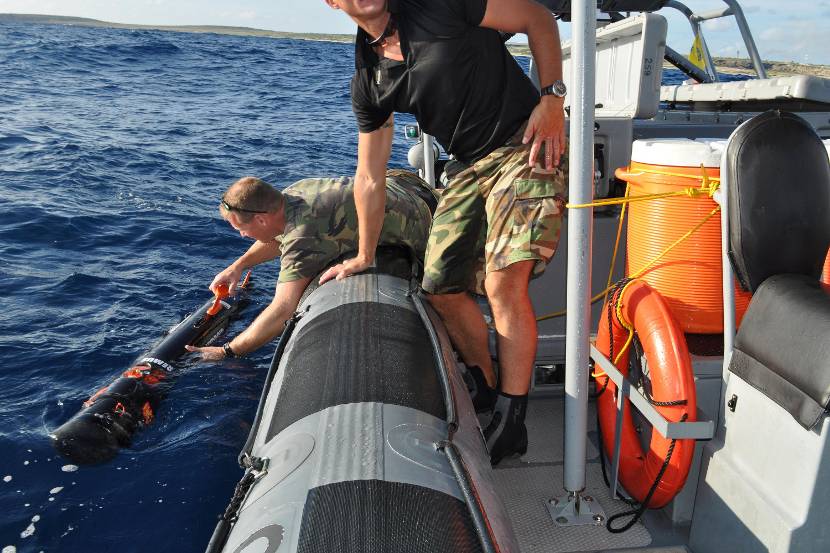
(229, 207)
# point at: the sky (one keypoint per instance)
(792, 30)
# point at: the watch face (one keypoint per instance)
(559, 88)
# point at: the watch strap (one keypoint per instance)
(226, 347)
(556, 89)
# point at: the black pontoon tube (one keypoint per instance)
(442, 370)
(245, 454)
(468, 489)
(454, 455)
(112, 415)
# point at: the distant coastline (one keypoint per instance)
(724, 65)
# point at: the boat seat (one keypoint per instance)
(779, 233)
(783, 346)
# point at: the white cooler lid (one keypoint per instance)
(679, 152)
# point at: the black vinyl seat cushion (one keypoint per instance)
(779, 199)
(779, 231)
(783, 346)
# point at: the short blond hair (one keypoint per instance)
(251, 194)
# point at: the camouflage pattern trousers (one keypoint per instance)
(494, 213)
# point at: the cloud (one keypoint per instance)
(731, 50)
(795, 30)
(802, 41)
(722, 25)
(783, 30)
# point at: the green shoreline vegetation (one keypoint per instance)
(724, 65)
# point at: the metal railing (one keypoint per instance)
(698, 430)
(734, 9)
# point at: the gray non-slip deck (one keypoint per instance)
(526, 483)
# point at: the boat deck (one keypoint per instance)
(527, 483)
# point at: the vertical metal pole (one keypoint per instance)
(429, 160)
(580, 222)
(728, 287)
(533, 72)
(622, 394)
(694, 21)
(728, 282)
(751, 49)
(707, 57)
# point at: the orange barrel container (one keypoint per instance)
(689, 276)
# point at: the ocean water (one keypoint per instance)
(115, 148)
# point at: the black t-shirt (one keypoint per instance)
(457, 78)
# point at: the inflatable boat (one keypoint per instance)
(365, 438)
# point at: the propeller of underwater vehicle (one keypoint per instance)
(108, 419)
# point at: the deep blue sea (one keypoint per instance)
(115, 148)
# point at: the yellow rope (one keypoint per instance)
(703, 175)
(604, 293)
(633, 277)
(626, 324)
(708, 187)
(562, 312)
(641, 271)
(616, 246)
(623, 322)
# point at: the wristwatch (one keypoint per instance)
(557, 89)
(226, 347)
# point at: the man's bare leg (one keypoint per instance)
(467, 330)
(507, 292)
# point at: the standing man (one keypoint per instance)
(445, 62)
(309, 225)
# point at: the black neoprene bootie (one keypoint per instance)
(483, 396)
(506, 434)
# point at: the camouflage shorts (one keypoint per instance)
(494, 213)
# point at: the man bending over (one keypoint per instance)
(308, 225)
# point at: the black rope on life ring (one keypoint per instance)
(616, 295)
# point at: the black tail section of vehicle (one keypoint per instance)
(109, 419)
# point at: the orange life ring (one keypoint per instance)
(672, 379)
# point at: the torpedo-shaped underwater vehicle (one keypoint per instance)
(112, 415)
(366, 438)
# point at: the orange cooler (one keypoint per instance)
(689, 276)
